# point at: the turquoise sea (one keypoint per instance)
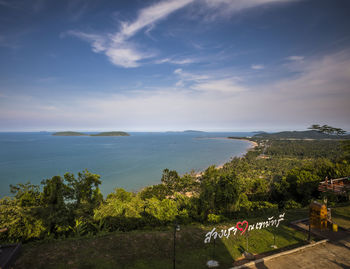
(128, 162)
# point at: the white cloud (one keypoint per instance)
(223, 8)
(98, 42)
(148, 16)
(257, 66)
(175, 61)
(318, 93)
(207, 84)
(125, 56)
(295, 58)
(186, 78)
(227, 86)
(121, 51)
(117, 46)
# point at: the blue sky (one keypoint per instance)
(216, 65)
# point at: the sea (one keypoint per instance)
(129, 162)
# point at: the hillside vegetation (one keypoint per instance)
(111, 134)
(69, 206)
(312, 134)
(68, 133)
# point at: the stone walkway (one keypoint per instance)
(328, 255)
(332, 254)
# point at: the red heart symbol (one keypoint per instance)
(242, 224)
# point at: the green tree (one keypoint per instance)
(26, 194)
(85, 193)
(170, 179)
(303, 185)
(219, 192)
(55, 213)
(326, 129)
(122, 210)
(159, 191)
(21, 214)
(163, 211)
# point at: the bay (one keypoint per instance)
(130, 162)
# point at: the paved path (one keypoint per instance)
(333, 254)
(328, 255)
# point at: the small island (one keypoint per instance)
(193, 131)
(69, 133)
(111, 134)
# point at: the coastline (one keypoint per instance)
(253, 145)
(111, 167)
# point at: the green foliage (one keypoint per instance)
(74, 206)
(26, 194)
(170, 179)
(214, 218)
(163, 212)
(23, 221)
(219, 192)
(291, 204)
(302, 184)
(345, 146)
(159, 191)
(122, 210)
(327, 129)
(85, 192)
(54, 211)
(63, 206)
(305, 149)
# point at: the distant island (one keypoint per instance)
(193, 131)
(295, 135)
(312, 134)
(259, 132)
(186, 131)
(69, 133)
(111, 134)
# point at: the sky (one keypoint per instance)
(167, 65)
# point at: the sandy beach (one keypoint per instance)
(253, 144)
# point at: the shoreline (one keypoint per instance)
(252, 146)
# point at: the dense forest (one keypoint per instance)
(277, 174)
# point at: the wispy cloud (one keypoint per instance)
(186, 78)
(215, 9)
(98, 42)
(319, 93)
(122, 51)
(206, 84)
(148, 16)
(118, 47)
(295, 58)
(257, 66)
(225, 86)
(175, 61)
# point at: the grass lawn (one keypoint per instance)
(154, 249)
(341, 216)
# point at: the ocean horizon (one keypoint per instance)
(130, 162)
